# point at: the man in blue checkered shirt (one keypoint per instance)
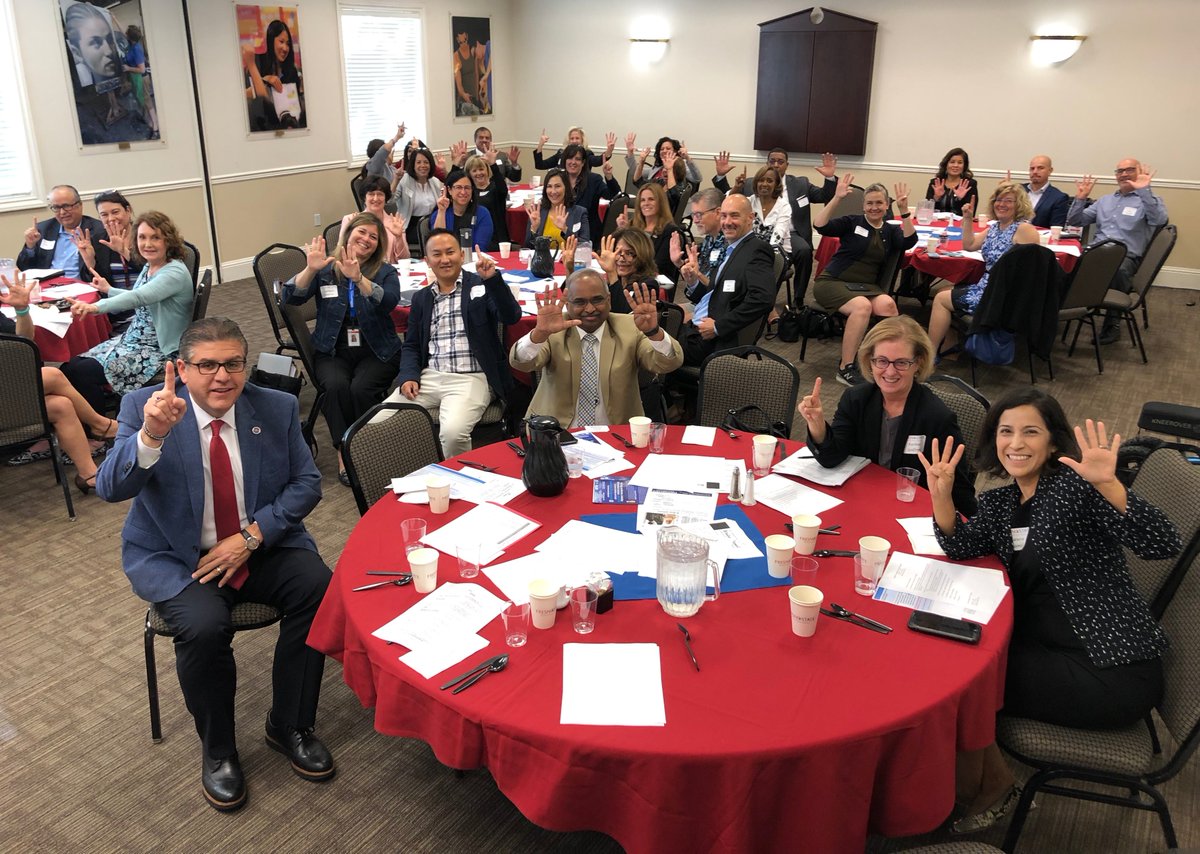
(453, 359)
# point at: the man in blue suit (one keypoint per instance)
(1050, 204)
(453, 360)
(221, 480)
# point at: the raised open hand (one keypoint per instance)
(393, 224)
(964, 187)
(18, 291)
(1098, 463)
(939, 468)
(514, 154)
(676, 249)
(1144, 176)
(570, 244)
(1083, 186)
(82, 238)
(550, 318)
(813, 412)
(163, 409)
(939, 188)
(458, 152)
(608, 254)
(645, 306)
(439, 160)
(610, 142)
(558, 216)
(721, 163)
(900, 191)
(315, 255)
(828, 166)
(668, 158)
(843, 186)
(349, 267)
(533, 210)
(118, 240)
(645, 154)
(630, 143)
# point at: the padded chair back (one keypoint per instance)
(670, 318)
(423, 232)
(279, 262)
(389, 440)
(853, 203)
(1093, 275)
(191, 259)
(615, 207)
(969, 407)
(731, 379)
(331, 234)
(203, 290)
(23, 418)
(1180, 706)
(889, 269)
(356, 190)
(296, 318)
(685, 199)
(1156, 256)
(1168, 481)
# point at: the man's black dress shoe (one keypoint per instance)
(309, 757)
(1110, 334)
(224, 784)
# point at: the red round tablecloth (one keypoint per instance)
(83, 334)
(518, 220)
(779, 743)
(960, 271)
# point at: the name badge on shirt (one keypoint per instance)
(729, 285)
(714, 256)
(860, 231)
(47, 243)
(1019, 536)
(477, 291)
(575, 228)
(353, 338)
(914, 444)
(1130, 210)
(329, 291)
(802, 202)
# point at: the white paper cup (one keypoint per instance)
(405, 266)
(438, 489)
(1044, 238)
(505, 249)
(804, 532)
(536, 181)
(424, 566)
(764, 454)
(779, 555)
(639, 429)
(805, 602)
(982, 219)
(906, 483)
(931, 245)
(873, 553)
(1055, 233)
(543, 603)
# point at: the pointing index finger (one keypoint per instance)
(817, 387)
(169, 378)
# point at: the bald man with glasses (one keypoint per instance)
(69, 241)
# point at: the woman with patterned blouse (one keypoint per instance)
(1085, 648)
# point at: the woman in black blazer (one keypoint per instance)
(954, 185)
(849, 284)
(588, 188)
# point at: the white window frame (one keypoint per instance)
(415, 124)
(19, 108)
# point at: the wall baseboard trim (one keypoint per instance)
(241, 268)
(1178, 277)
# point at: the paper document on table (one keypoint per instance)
(612, 684)
(728, 535)
(51, 319)
(686, 471)
(473, 485)
(451, 609)
(74, 289)
(593, 547)
(600, 459)
(802, 464)
(920, 535)
(513, 576)
(1059, 249)
(951, 589)
(791, 498)
(433, 658)
(495, 528)
(694, 434)
(664, 507)
(42, 273)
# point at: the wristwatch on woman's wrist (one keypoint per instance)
(906, 215)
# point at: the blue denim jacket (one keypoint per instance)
(374, 313)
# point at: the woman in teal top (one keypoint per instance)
(161, 299)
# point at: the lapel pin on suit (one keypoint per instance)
(256, 430)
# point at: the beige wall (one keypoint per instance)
(268, 188)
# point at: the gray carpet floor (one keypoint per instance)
(81, 772)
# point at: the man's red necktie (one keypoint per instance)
(225, 508)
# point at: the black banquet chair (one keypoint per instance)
(389, 440)
(745, 376)
(274, 266)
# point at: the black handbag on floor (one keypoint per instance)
(753, 419)
(279, 382)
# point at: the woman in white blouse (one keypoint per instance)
(772, 218)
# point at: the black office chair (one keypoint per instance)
(331, 234)
(274, 266)
(297, 318)
(203, 291)
(1126, 305)
(1087, 289)
(389, 440)
(191, 260)
(732, 379)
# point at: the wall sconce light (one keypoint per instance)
(1052, 50)
(649, 37)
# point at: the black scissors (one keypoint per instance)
(833, 553)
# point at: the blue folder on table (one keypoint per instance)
(743, 574)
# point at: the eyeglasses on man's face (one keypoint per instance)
(66, 207)
(596, 301)
(209, 367)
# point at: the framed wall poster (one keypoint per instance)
(471, 66)
(272, 80)
(109, 64)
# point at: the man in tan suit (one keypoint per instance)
(590, 358)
